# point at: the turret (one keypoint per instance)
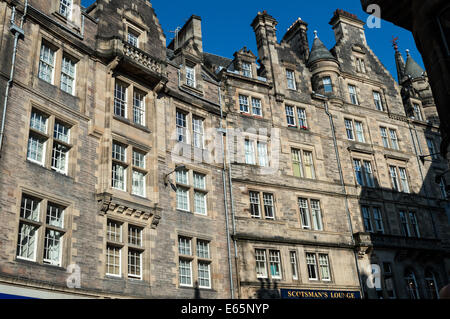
(324, 68)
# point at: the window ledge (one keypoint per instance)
(38, 264)
(127, 121)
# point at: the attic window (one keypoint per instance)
(133, 38)
(65, 8)
(190, 74)
(247, 69)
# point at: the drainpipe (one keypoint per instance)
(224, 132)
(18, 31)
(344, 191)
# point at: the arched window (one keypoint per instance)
(431, 285)
(411, 284)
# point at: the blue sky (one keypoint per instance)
(226, 24)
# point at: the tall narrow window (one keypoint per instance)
(304, 213)
(312, 266)
(290, 115)
(432, 148)
(316, 215)
(431, 285)
(394, 139)
(290, 76)
(269, 209)
(404, 224)
(138, 177)
(139, 107)
(417, 112)
(359, 132)
(249, 152)
(294, 267)
(36, 141)
(378, 101)
(185, 262)
(414, 225)
(262, 154)
(353, 95)
(394, 178)
(367, 219)
(65, 8)
(198, 134)
(46, 63)
(120, 99)
(411, 285)
(255, 209)
(247, 69)
(28, 229)
(182, 191)
(404, 180)
(68, 75)
(443, 187)
(261, 263)
(302, 122)
(378, 220)
(199, 194)
(327, 85)
(275, 264)
(324, 265)
(368, 174)
(297, 163)
(349, 129)
(308, 165)
(181, 127)
(190, 76)
(384, 137)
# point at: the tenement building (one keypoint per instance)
(135, 169)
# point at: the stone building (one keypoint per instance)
(132, 169)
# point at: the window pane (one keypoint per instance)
(60, 156)
(134, 264)
(114, 231)
(290, 115)
(293, 259)
(29, 208)
(113, 260)
(269, 209)
(324, 267)
(302, 122)
(182, 198)
(204, 276)
(254, 205)
(312, 266)
(304, 213)
(262, 154)
(249, 152)
(26, 246)
(200, 203)
(61, 132)
(139, 108)
(52, 247)
(197, 127)
(327, 85)
(119, 152)
(65, 7)
(185, 272)
(316, 215)
(120, 100)
(46, 64)
(297, 163)
(190, 76)
(36, 147)
(138, 159)
(68, 75)
(134, 235)
(261, 267)
(184, 246)
(243, 103)
(247, 69)
(203, 249)
(138, 183)
(290, 76)
(308, 164)
(181, 127)
(39, 121)
(275, 264)
(118, 177)
(55, 215)
(256, 107)
(199, 181)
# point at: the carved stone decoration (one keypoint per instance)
(107, 204)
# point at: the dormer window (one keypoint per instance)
(360, 65)
(247, 69)
(290, 76)
(133, 38)
(417, 112)
(190, 76)
(65, 8)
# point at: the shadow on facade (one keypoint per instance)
(267, 290)
(412, 260)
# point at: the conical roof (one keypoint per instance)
(319, 51)
(412, 68)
